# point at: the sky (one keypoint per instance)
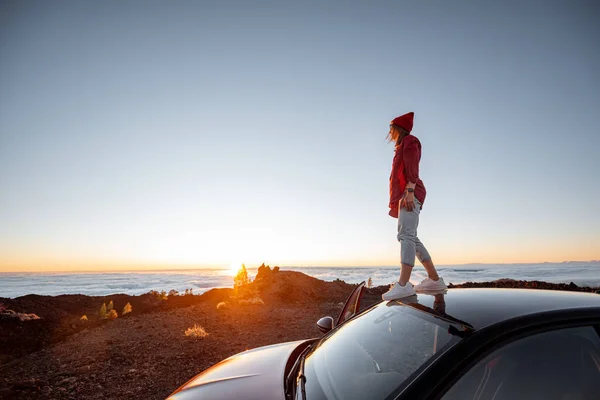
(210, 133)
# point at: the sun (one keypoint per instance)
(234, 268)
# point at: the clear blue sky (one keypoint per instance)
(208, 133)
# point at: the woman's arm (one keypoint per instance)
(411, 157)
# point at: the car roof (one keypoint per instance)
(483, 307)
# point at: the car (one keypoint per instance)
(457, 344)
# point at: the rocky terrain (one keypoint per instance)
(145, 354)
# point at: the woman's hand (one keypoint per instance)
(408, 201)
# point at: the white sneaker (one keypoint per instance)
(429, 285)
(398, 292)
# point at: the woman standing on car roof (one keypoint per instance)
(407, 195)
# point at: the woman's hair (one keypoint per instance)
(396, 134)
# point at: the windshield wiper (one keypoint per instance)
(302, 377)
(298, 366)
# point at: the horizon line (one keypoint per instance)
(221, 268)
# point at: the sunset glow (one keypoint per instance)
(235, 268)
(162, 151)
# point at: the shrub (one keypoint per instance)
(255, 301)
(241, 278)
(112, 314)
(103, 311)
(110, 306)
(158, 295)
(84, 318)
(127, 309)
(173, 292)
(221, 305)
(12, 315)
(27, 317)
(196, 331)
(370, 283)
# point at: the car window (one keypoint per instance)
(561, 364)
(370, 357)
(352, 304)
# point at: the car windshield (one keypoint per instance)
(374, 354)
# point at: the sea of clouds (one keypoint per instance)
(135, 283)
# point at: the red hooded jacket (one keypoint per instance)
(405, 168)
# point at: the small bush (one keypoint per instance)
(103, 313)
(84, 318)
(221, 305)
(12, 315)
(158, 295)
(110, 306)
(27, 317)
(241, 278)
(196, 331)
(112, 314)
(255, 301)
(173, 292)
(369, 283)
(127, 309)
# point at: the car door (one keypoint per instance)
(558, 364)
(352, 304)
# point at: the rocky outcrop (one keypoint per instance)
(296, 287)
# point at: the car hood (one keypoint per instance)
(253, 374)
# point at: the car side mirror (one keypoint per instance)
(325, 324)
